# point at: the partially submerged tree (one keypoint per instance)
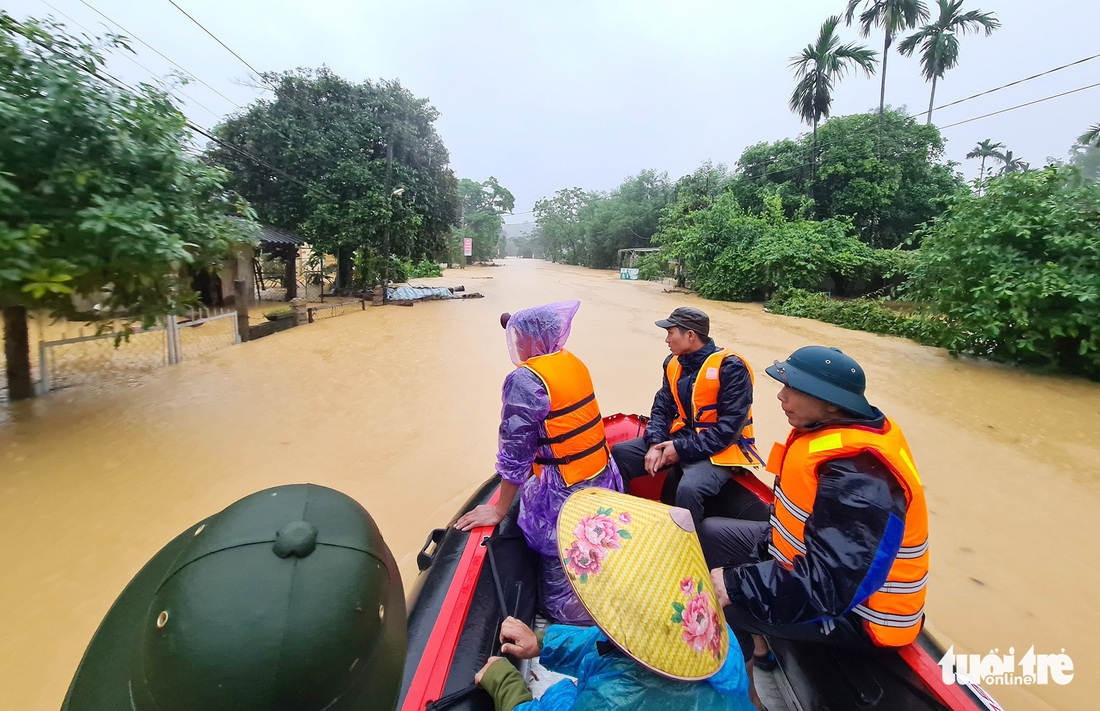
(1018, 272)
(100, 197)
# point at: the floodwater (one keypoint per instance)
(398, 407)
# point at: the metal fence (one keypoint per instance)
(115, 358)
(315, 313)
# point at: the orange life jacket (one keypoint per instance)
(704, 408)
(574, 427)
(893, 614)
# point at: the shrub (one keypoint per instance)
(1017, 270)
(873, 315)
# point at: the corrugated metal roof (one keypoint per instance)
(271, 237)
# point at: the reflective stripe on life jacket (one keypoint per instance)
(574, 427)
(704, 401)
(892, 614)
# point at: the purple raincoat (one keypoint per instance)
(525, 404)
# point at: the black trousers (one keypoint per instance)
(730, 543)
(702, 488)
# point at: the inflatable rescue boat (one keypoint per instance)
(470, 581)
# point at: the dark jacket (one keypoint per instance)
(852, 538)
(734, 403)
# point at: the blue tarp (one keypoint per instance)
(412, 293)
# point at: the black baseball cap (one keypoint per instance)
(287, 599)
(687, 317)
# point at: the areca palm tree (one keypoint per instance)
(818, 68)
(1090, 137)
(939, 41)
(1012, 164)
(893, 16)
(985, 149)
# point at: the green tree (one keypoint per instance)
(483, 206)
(985, 149)
(939, 41)
(1091, 136)
(732, 255)
(1011, 164)
(886, 173)
(628, 217)
(893, 16)
(560, 228)
(819, 67)
(1086, 158)
(349, 166)
(100, 196)
(1017, 270)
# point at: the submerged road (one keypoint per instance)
(398, 408)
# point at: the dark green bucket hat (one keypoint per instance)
(827, 374)
(289, 599)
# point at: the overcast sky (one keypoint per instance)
(562, 93)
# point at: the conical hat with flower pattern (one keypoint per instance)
(638, 569)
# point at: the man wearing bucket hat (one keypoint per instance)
(844, 558)
(659, 642)
(551, 442)
(288, 599)
(700, 422)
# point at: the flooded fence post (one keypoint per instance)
(43, 370)
(241, 298)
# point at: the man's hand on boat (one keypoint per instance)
(481, 672)
(660, 456)
(518, 640)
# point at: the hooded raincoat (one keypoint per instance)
(536, 331)
(612, 680)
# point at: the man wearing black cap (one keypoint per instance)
(844, 558)
(701, 420)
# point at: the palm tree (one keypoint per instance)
(1012, 164)
(818, 68)
(893, 16)
(1090, 137)
(985, 149)
(939, 41)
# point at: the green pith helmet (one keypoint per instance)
(827, 374)
(288, 600)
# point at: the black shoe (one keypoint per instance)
(766, 662)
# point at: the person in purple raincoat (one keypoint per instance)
(551, 443)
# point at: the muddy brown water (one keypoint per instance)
(398, 407)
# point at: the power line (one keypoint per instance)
(100, 73)
(1013, 83)
(167, 59)
(223, 44)
(135, 61)
(1020, 106)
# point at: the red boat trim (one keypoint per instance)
(950, 695)
(435, 663)
(753, 484)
